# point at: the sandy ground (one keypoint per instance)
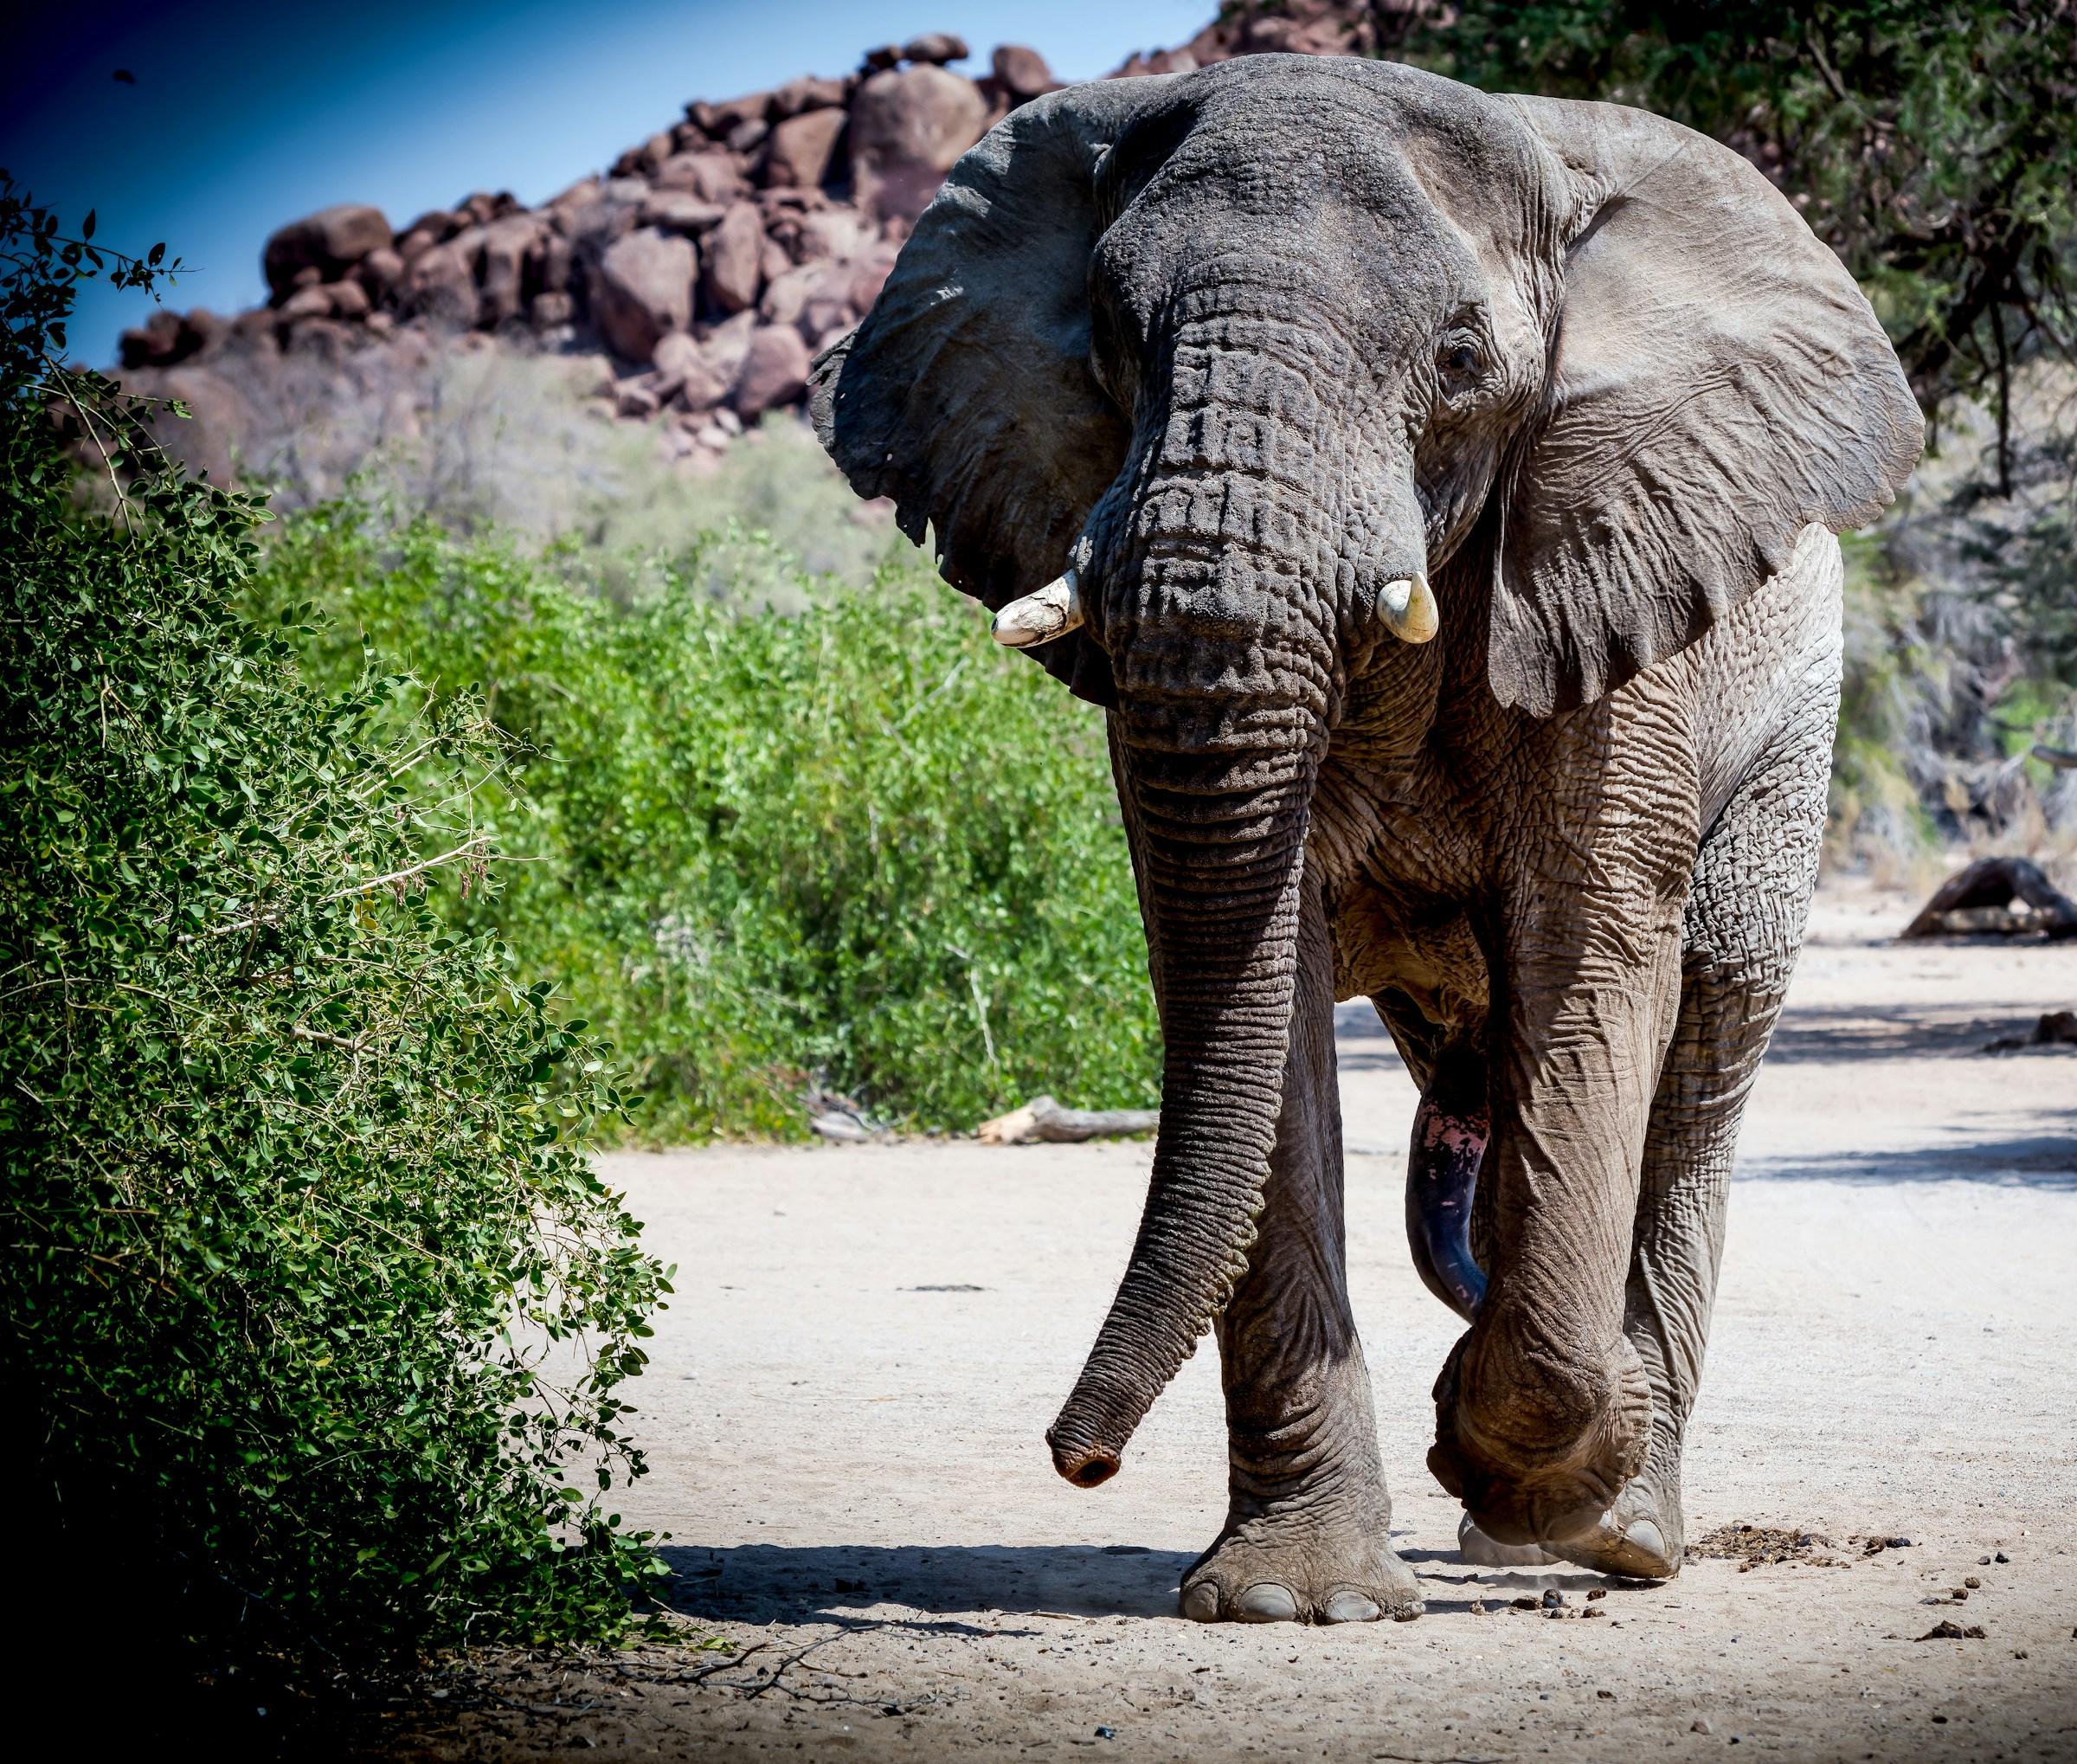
(845, 1405)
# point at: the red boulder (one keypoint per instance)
(332, 241)
(1020, 75)
(734, 259)
(774, 372)
(908, 128)
(643, 289)
(801, 147)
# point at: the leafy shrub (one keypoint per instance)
(308, 1279)
(776, 828)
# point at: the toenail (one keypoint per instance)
(1266, 1602)
(1351, 1608)
(1645, 1536)
(1200, 1602)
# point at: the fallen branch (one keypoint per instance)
(769, 1678)
(1978, 900)
(1043, 1119)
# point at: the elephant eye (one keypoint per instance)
(1460, 363)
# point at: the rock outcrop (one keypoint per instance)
(708, 263)
(1294, 27)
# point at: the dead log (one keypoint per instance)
(1978, 900)
(1060, 1126)
(1043, 1119)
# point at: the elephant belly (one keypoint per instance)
(1415, 956)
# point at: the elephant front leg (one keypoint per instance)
(1544, 1409)
(1752, 884)
(1307, 1535)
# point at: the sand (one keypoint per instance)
(845, 1409)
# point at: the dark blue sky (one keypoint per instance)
(245, 116)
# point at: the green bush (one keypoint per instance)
(778, 830)
(309, 1285)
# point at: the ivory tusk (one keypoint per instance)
(1052, 611)
(1407, 606)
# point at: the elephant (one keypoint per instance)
(1439, 492)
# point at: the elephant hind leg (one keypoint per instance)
(1745, 918)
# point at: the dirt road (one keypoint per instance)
(845, 1407)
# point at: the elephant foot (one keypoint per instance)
(1540, 1472)
(1296, 1568)
(1632, 1538)
(1482, 1551)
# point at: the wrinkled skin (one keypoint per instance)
(1243, 347)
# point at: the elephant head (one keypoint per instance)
(1249, 351)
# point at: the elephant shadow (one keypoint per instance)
(807, 1583)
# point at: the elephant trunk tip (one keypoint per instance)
(1081, 1454)
(1086, 1469)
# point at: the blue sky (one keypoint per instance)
(245, 116)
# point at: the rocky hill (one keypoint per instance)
(689, 285)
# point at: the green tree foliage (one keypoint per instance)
(309, 1287)
(778, 833)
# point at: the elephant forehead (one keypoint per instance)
(1341, 232)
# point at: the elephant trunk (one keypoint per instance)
(1223, 664)
(1224, 867)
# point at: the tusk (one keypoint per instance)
(1407, 606)
(1052, 611)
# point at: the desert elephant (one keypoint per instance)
(1438, 491)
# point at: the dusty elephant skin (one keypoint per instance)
(1448, 484)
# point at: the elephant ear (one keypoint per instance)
(1717, 382)
(966, 395)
